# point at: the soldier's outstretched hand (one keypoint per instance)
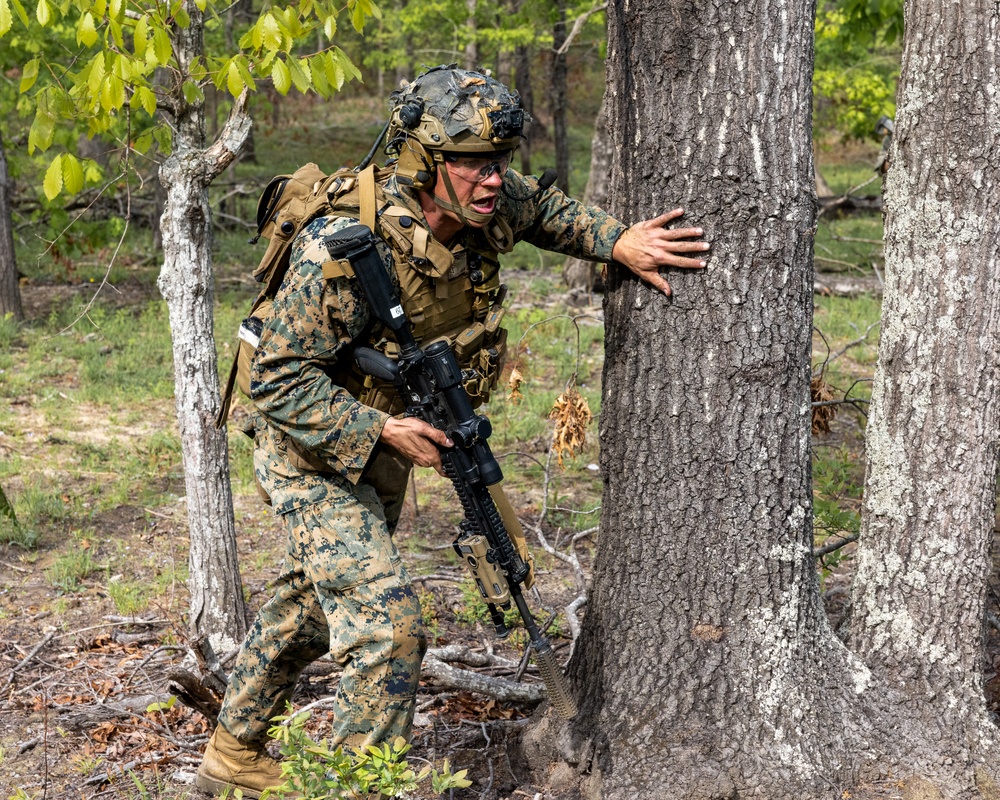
(649, 245)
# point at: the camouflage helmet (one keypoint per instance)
(456, 111)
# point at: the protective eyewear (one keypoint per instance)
(479, 169)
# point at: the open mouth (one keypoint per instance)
(485, 205)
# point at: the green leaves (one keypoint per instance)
(91, 63)
(6, 19)
(28, 75)
(65, 172)
(317, 770)
(166, 706)
(86, 31)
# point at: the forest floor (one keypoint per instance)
(78, 675)
(92, 615)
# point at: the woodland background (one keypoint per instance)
(93, 547)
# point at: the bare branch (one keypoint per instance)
(578, 24)
(830, 547)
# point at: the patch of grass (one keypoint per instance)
(86, 765)
(35, 505)
(838, 476)
(129, 598)
(472, 610)
(241, 462)
(429, 612)
(847, 341)
(17, 535)
(167, 576)
(851, 244)
(70, 569)
(10, 328)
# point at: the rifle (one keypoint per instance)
(429, 381)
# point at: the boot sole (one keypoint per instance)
(217, 787)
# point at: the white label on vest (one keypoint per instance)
(249, 336)
(396, 311)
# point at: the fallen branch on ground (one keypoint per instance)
(503, 689)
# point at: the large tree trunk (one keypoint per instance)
(10, 291)
(706, 667)
(918, 600)
(217, 604)
(702, 645)
(578, 274)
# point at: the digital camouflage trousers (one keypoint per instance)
(343, 590)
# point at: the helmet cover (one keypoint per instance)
(456, 110)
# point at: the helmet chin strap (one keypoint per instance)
(467, 215)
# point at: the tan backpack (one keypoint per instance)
(286, 206)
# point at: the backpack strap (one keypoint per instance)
(366, 197)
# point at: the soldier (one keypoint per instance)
(331, 447)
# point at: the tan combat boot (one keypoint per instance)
(230, 764)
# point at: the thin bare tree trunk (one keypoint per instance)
(558, 100)
(579, 275)
(472, 46)
(522, 58)
(10, 290)
(186, 283)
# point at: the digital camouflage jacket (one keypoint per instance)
(314, 439)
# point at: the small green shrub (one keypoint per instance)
(314, 770)
(128, 598)
(9, 329)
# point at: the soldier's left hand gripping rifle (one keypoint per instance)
(429, 381)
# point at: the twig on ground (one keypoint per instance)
(162, 649)
(121, 770)
(26, 660)
(115, 620)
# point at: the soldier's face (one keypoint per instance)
(476, 182)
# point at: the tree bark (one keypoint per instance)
(706, 667)
(918, 598)
(10, 290)
(701, 649)
(578, 274)
(186, 283)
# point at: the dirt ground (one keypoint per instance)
(77, 677)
